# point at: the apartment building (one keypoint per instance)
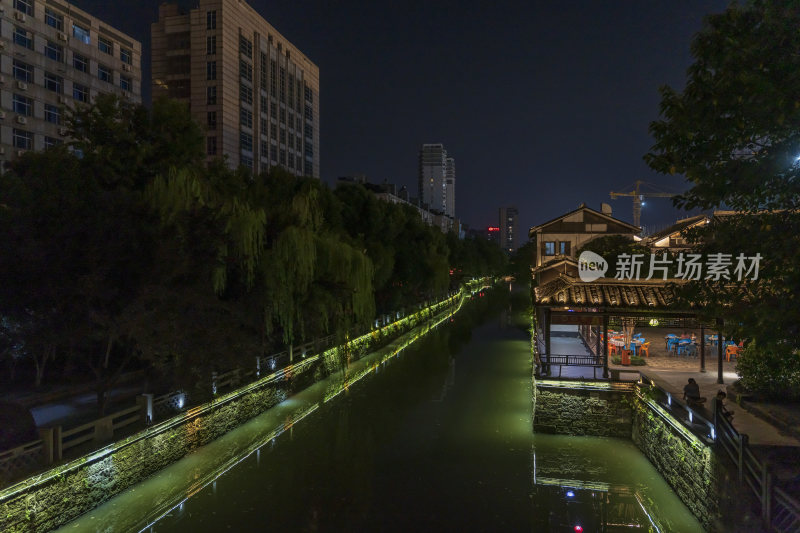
(437, 179)
(54, 56)
(255, 92)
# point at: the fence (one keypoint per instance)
(54, 442)
(779, 511)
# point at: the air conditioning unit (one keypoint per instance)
(62, 131)
(126, 67)
(20, 152)
(2, 80)
(62, 36)
(20, 16)
(22, 86)
(2, 45)
(22, 120)
(2, 150)
(62, 99)
(2, 115)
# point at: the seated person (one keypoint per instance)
(721, 406)
(691, 392)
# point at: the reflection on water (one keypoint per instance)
(436, 439)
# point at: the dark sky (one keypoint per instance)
(544, 105)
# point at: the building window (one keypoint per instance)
(245, 46)
(245, 70)
(105, 46)
(298, 163)
(54, 51)
(309, 131)
(283, 116)
(53, 83)
(263, 128)
(80, 62)
(211, 70)
(299, 124)
(211, 145)
(263, 71)
(283, 136)
(247, 162)
(282, 160)
(26, 6)
(80, 92)
(211, 20)
(309, 113)
(23, 71)
(549, 248)
(246, 141)
(81, 33)
(246, 94)
(264, 149)
(273, 131)
(291, 142)
(211, 95)
(126, 83)
(211, 45)
(273, 78)
(126, 56)
(273, 153)
(22, 105)
(104, 73)
(23, 37)
(211, 119)
(23, 139)
(283, 84)
(563, 246)
(51, 18)
(51, 141)
(52, 113)
(309, 94)
(246, 118)
(309, 168)
(273, 111)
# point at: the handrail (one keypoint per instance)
(779, 511)
(691, 418)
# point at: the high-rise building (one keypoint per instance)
(509, 228)
(256, 94)
(450, 187)
(54, 55)
(437, 179)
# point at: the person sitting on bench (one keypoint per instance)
(691, 393)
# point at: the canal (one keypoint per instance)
(437, 438)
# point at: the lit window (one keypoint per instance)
(81, 33)
(549, 248)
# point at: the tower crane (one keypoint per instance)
(638, 197)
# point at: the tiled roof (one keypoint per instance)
(675, 228)
(607, 292)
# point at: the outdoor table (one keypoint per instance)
(713, 339)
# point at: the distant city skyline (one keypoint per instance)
(549, 103)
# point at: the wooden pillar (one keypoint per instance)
(719, 352)
(547, 341)
(599, 344)
(702, 348)
(605, 345)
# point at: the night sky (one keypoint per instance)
(543, 105)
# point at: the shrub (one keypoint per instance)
(638, 361)
(616, 360)
(770, 372)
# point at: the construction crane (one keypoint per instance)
(638, 197)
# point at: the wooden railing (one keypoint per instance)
(779, 511)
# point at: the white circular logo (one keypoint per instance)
(591, 266)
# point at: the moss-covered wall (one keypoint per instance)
(595, 408)
(687, 464)
(53, 498)
(565, 410)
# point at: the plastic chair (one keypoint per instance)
(612, 348)
(645, 348)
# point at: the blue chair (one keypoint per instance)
(683, 346)
(671, 344)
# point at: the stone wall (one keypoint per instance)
(565, 408)
(56, 496)
(606, 409)
(687, 464)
